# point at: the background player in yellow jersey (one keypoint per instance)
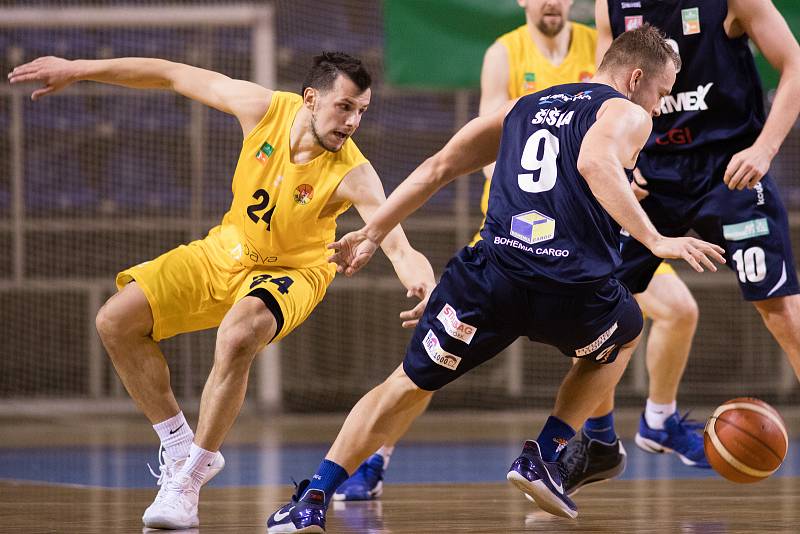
(548, 50)
(257, 275)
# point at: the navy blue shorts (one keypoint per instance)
(475, 312)
(687, 193)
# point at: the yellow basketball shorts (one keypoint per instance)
(665, 268)
(193, 286)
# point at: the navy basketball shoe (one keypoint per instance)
(679, 436)
(589, 460)
(301, 514)
(365, 484)
(542, 481)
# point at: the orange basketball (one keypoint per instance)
(745, 440)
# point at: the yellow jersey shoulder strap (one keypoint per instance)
(282, 105)
(529, 71)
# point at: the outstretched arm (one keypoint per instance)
(762, 22)
(471, 148)
(247, 101)
(612, 143)
(494, 86)
(362, 187)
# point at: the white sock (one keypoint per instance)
(176, 436)
(656, 414)
(197, 465)
(386, 452)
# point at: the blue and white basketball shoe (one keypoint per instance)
(542, 481)
(301, 514)
(679, 436)
(365, 484)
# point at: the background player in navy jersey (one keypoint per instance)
(543, 268)
(705, 168)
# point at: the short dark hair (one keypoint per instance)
(645, 47)
(328, 65)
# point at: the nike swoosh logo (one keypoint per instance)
(173, 431)
(559, 487)
(281, 516)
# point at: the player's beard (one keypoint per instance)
(318, 137)
(550, 30)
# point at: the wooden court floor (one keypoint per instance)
(663, 506)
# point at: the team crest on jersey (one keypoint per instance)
(264, 152)
(303, 194)
(530, 81)
(533, 227)
(633, 22)
(691, 20)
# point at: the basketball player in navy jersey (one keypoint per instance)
(704, 168)
(543, 268)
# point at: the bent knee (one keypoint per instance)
(675, 311)
(124, 314)
(240, 341)
(685, 311)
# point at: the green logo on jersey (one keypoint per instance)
(264, 152)
(529, 83)
(691, 20)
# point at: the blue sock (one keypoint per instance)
(601, 428)
(554, 437)
(329, 476)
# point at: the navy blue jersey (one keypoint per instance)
(717, 95)
(544, 227)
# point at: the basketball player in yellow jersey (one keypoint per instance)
(549, 50)
(257, 275)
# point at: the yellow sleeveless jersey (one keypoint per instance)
(280, 215)
(529, 71)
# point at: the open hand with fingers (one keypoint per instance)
(54, 73)
(746, 168)
(353, 251)
(411, 317)
(696, 252)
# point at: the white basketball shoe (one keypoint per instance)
(175, 505)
